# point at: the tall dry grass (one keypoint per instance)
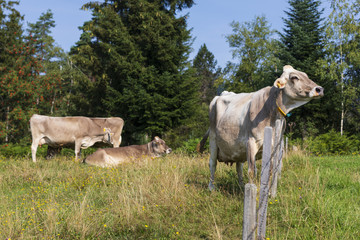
(167, 198)
(151, 199)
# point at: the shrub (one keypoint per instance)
(189, 146)
(17, 150)
(24, 150)
(332, 143)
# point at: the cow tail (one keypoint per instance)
(201, 145)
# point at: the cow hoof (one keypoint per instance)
(211, 186)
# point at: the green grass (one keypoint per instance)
(319, 199)
(167, 198)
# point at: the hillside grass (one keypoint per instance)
(167, 198)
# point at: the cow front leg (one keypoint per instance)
(212, 162)
(117, 143)
(250, 155)
(239, 170)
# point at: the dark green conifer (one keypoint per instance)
(302, 46)
(135, 56)
(207, 72)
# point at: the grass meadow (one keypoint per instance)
(167, 198)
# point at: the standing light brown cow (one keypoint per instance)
(237, 121)
(116, 125)
(80, 132)
(109, 157)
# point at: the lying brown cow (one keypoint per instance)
(237, 121)
(78, 132)
(109, 157)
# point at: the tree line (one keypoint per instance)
(132, 61)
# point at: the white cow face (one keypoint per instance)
(298, 86)
(159, 147)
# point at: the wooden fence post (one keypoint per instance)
(281, 154)
(264, 184)
(249, 220)
(276, 157)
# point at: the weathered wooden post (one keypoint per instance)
(249, 220)
(276, 157)
(281, 154)
(264, 184)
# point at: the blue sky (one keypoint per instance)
(209, 19)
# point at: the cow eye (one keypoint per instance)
(293, 78)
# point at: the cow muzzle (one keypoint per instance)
(169, 150)
(317, 92)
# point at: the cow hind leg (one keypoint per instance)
(212, 163)
(34, 147)
(77, 150)
(239, 170)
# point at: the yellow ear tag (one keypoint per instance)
(278, 84)
(104, 130)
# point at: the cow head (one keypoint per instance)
(107, 135)
(159, 147)
(297, 85)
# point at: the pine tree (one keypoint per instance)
(302, 47)
(207, 72)
(135, 56)
(50, 57)
(303, 35)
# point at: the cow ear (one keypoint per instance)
(157, 139)
(280, 83)
(288, 68)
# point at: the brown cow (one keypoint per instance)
(80, 132)
(109, 157)
(237, 121)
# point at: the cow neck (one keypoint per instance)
(280, 106)
(150, 149)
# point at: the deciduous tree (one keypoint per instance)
(254, 49)
(341, 62)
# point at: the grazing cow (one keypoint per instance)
(237, 121)
(109, 157)
(80, 132)
(116, 125)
